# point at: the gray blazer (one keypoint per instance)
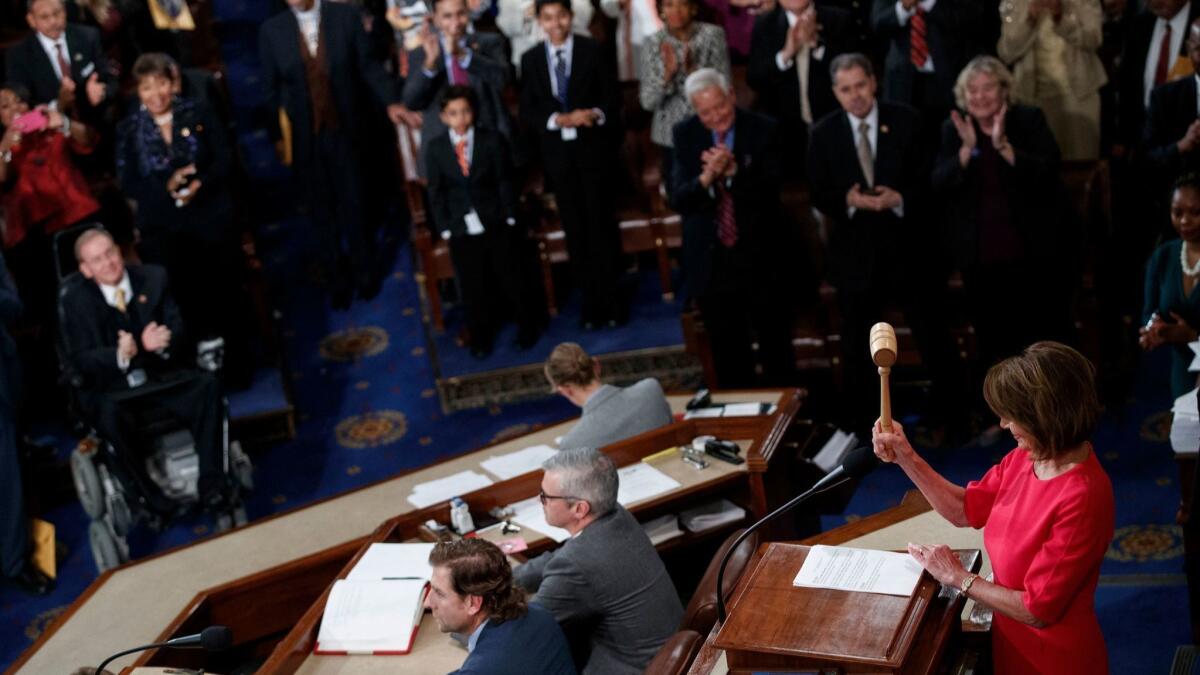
(608, 583)
(613, 414)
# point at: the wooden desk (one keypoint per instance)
(887, 530)
(171, 588)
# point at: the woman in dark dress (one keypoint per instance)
(174, 159)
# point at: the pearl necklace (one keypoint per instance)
(1190, 270)
(164, 119)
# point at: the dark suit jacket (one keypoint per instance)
(592, 84)
(1032, 187)
(953, 31)
(28, 64)
(1131, 112)
(531, 644)
(609, 581)
(487, 76)
(755, 190)
(10, 311)
(90, 329)
(488, 189)
(1172, 110)
(901, 163)
(779, 90)
(348, 64)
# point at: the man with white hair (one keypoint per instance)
(726, 186)
(606, 585)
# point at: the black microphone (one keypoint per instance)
(211, 639)
(858, 463)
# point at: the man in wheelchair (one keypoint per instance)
(124, 337)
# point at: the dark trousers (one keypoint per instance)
(586, 207)
(748, 324)
(492, 269)
(14, 528)
(333, 187)
(921, 296)
(190, 397)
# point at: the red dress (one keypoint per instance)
(49, 190)
(1046, 538)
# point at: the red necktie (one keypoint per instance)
(458, 74)
(460, 151)
(64, 64)
(919, 50)
(1164, 57)
(727, 230)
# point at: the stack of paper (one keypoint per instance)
(858, 569)
(442, 489)
(711, 515)
(520, 462)
(529, 513)
(377, 608)
(662, 529)
(732, 410)
(830, 456)
(640, 481)
(1185, 425)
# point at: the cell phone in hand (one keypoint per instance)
(871, 192)
(31, 122)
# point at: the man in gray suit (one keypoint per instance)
(610, 414)
(606, 583)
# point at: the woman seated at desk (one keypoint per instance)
(610, 414)
(1046, 511)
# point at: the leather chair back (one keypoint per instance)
(676, 654)
(701, 612)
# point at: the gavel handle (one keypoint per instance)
(885, 400)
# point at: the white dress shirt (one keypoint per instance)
(474, 639)
(803, 64)
(903, 15)
(110, 297)
(51, 49)
(310, 25)
(872, 120)
(1179, 29)
(552, 53)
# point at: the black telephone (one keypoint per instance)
(726, 451)
(702, 399)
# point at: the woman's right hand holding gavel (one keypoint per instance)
(891, 446)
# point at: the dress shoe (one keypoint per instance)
(526, 339)
(32, 581)
(341, 297)
(369, 289)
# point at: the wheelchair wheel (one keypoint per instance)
(121, 516)
(242, 469)
(104, 546)
(87, 484)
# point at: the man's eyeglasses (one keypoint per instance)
(545, 497)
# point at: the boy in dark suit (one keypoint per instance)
(568, 103)
(474, 206)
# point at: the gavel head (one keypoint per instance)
(883, 345)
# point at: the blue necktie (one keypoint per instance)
(560, 77)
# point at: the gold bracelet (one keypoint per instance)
(966, 583)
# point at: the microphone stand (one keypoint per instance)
(156, 645)
(814, 490)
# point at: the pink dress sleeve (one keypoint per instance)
(981, 494)
(1068, 558)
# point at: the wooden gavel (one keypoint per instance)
(883, 353)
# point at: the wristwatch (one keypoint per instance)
(966, 583)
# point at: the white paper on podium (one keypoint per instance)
(641, 481)
(529, 513)
(860, 570)
(1195, 366)
(520, 462)
(442, 489)
(390, 561)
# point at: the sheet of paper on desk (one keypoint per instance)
(641, 481)
(520, 462)
(388, 561)
(442, 489)
(529, 513)
(858, 569)
(1195, 366)
(371, 617)
(743, 409)
(703, 412)
(1185, 424)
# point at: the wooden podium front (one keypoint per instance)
(775, 626)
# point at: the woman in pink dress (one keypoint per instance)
(1046, 511)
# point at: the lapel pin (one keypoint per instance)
(78, 56)
(884, 128)
(185, 132)
(142, 299)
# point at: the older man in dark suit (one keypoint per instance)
(1154, 53)
(315, 66)
(15, 565)
(790, 51)
(735, 246)
(1172, 136)
(867, 166)
(569, 111)
(60, 64)
(124, 337)
(451, 56)
(606, 585)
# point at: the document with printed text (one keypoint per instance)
(861, 570)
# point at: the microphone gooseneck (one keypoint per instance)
(211, 639)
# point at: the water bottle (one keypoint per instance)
(460, 516)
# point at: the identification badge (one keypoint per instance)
(569, 133)
(474, 224)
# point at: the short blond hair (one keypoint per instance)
(983, 65)
(569, 364)
(88, 235)
(1050, 390)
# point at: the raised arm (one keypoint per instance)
(945, 497)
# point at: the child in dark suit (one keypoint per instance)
(473, 204)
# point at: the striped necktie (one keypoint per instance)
(919, 51)
(460, 151)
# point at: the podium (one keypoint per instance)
(775, 626)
